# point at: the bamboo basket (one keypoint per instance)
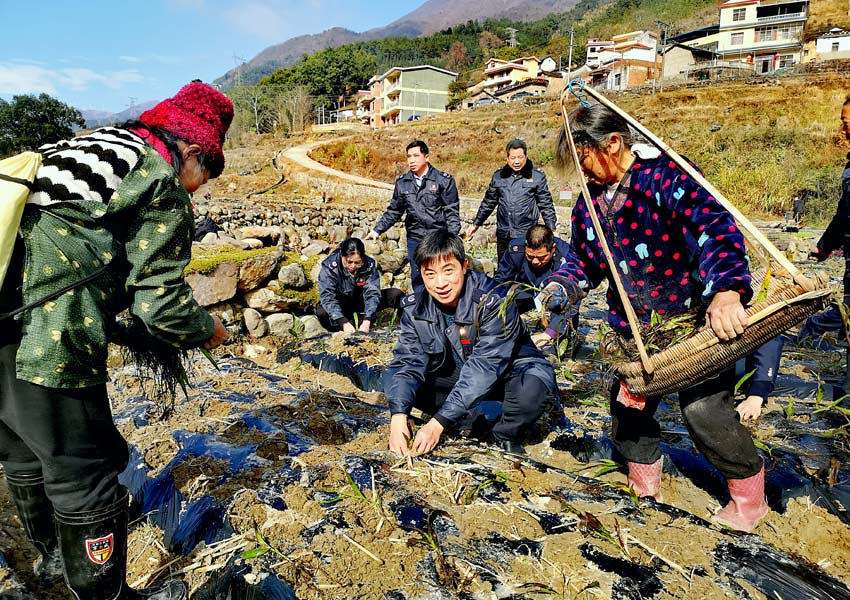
(703, 354)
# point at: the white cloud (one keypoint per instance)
(254, 18)
(130, 59)
(33, 79)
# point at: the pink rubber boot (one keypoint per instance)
(646, 479)
(747, 506)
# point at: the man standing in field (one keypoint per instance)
(522, 195)
(427, 197)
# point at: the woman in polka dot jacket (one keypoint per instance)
(675, 248)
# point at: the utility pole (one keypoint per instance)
(665, 27)
(570, 59)
(240, 62)
(512, 32)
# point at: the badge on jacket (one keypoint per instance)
(433, 187)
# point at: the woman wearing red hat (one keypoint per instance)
(107, 227)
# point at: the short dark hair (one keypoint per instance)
(846, 100)
(423, 147)
(439, 244)
(352, 246)
(539, 236)
(517, 143)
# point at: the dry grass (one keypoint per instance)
(825, 14)
(771, 139)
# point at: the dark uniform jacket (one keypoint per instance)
(521, 199)
(433, 206)
(514, 266)
(487, 344)
(335, 284)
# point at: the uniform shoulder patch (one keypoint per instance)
(446, 175)
(408, 300)
(514, 248)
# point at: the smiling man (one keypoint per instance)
(455, 350)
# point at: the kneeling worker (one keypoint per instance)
(455, 350)
(349, 285)
(531, 261)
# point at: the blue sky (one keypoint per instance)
(103, 55)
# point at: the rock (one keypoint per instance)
(280, 323)
(255, 323)
(256, 270)
(250, 244)
(386, 280)
(268, 235)
(230, 314)
(315, 248)
(393, 234)
(338, 233)
(314, 272)
(312, 326)
(226, 240)
(292, 276)
(232, 187)
(216, 286)
(481, 239)
(260, 354)
(391, 245)
(484, 265)
(372, 247)
(274, 299)
(390, 263)
(210, 238)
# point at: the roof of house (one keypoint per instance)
(834, 32)
(631, 34)
(695, 34)
(417, 68)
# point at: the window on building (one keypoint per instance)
(738, 39)
(786, 60)
(834, 47)
(766, 34)
(739, 14)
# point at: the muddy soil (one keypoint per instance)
(278, 480)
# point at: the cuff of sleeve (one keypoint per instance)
(400, 412)
(341, 321)
(446, 423)
(760, 388)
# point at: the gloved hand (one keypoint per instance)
(558, 296)
(628, 399)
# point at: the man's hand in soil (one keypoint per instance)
(750, 409)
(726, 315)
(347, 327)
(470, 231)
(372, 235)
(365, 326)
(219, 334)
(427, 437)
(399, 434)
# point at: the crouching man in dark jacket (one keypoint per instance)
(455, 350)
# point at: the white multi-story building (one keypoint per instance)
(766, 33)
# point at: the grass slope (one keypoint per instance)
(760, 141)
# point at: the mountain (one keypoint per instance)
(101, 118)
(432, 16)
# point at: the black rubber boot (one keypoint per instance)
(36, 514)
(94, 554)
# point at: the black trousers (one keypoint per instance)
(65, 434)
(708, 409)
(390, 298)
(521, 391)
(501, 247)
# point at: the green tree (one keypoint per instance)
(508, 53)
(29, 121)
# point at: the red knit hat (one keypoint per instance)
(197, 114)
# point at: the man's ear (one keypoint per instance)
(191, 150)
(465, 264)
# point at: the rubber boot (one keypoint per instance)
(36, 513)
(747, 506)
(94, 556)
(645, 480)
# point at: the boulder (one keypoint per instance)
(268, 235)
(393, 234)
(390, 263)
(250, 244)
(255, 323)
(209, 238)
(230, 314)
(275, 299)
(372, 247)
(338, 233)
(292, 277)
(316, 247)
(312, 326)
(255, 270)
(280, 323)
(216, 286)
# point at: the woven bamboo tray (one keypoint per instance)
(704, 355)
